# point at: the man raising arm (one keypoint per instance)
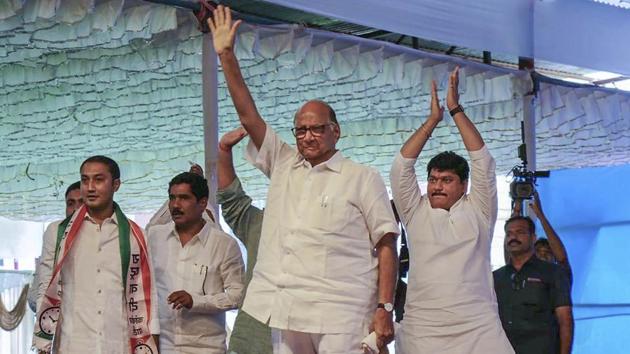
(450, 305)
(553, 250)
(325, 215)
(249, 335)
(223, 34)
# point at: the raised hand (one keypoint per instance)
(231, 138)
(437, 111)
(452, 94)
(223, 30)
(196, 169)
(535, 206)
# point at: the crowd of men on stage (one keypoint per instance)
(322, 256)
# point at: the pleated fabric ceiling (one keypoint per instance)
(124, 79)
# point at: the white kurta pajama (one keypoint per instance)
(316, 272)
(451, 305)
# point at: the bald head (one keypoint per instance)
(318, 107)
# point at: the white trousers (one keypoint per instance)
(292, 342)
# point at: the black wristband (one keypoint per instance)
(456, 110)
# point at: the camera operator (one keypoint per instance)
(534, 296)
(550, 249)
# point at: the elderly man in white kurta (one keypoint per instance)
(326, 267)
(199, 272)
(451, 306)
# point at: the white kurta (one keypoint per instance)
(451, 305)
(316, 271)
(93, 300)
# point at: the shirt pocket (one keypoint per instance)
(328, 214)
(197, 281)
(536, 301)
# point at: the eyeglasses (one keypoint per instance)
(316, 130)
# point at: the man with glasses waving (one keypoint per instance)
(326, 267)
(534, 296)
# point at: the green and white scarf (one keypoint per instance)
(136, 275)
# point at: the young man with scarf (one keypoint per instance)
(101, 295)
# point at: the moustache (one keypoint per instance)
(440, 194)
(514, 241)
(176, 212)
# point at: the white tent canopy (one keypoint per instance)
(124, 79)
(581, 33)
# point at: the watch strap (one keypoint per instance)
(389, 307)
(456, 110)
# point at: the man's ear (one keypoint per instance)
(116, 184)
(203, 201)
(337, 131)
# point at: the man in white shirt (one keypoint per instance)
(98, 299)
(326, 267)
(199, 272)
(451, 305)
(43, 268)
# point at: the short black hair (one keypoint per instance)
(114, 170)
(530, 223)
(542, 242)
(73, 186)
(449, 161)
(198, 185)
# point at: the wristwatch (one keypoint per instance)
(388, 306)
(456, 110)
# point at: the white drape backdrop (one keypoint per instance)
(17, 341)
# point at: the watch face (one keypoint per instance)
(48, 320)
(142, 349)
(389, 307)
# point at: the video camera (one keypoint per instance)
(524, 180)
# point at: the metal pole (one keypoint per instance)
(529, 139)
(529, 127)
(210, 117)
